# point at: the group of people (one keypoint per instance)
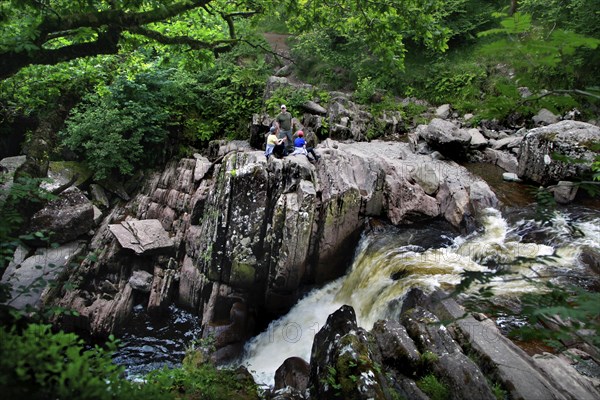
(281, 142)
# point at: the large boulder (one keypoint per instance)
(572, 141)
(342, 361)
(446, 137)
(66, 218)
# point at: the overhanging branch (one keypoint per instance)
(183, 40)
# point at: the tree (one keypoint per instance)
(52, 31)
(382, 26)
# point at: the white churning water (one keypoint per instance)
(384, 271)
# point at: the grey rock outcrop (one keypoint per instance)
(250, 232)
(571, 139)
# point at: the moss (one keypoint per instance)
(242, 274)
(70, 169)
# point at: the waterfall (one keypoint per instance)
(389, 263)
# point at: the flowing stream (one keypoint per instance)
(390, 261)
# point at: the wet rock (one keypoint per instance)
(342, 363)
(67, 217)
(294, 373)
(590, 257)
(564, 191)
(143, 237)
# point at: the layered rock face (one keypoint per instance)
(240, 238)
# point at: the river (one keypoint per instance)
(390, 261)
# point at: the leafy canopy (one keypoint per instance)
(53, 31)
(378, 29)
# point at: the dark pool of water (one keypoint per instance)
(148, 344)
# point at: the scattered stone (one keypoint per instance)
(477, 139)
(564, 192)
(141, 280)
(443, 111)
(545, 117)
(511, 177)
(314, 108)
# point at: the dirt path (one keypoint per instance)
(278, 43)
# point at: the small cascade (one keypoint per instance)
(390, 262)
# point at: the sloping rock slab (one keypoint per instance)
(29, 278)
(507, 363)
(143, 237)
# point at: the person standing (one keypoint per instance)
(284, 119)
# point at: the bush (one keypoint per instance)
(39, 364)
(124, 128)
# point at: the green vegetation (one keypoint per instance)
(433, 388)
(40, 364)
(134, 83)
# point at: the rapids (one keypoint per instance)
(390, 261)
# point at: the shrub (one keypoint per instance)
(39, 364)
(123, 129)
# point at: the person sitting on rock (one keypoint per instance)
(275, 145)
(300, 147)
